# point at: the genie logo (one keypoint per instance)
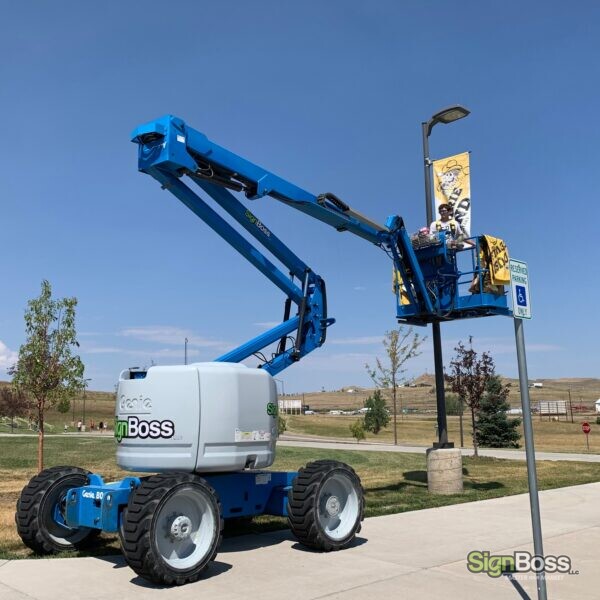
(138, 405)
(92, 495)
(139, 428)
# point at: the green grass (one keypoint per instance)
(393, 482)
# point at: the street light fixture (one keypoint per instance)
(449, 115)
(444, 116)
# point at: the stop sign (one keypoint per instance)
(585, 427)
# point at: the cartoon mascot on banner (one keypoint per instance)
(453, 187)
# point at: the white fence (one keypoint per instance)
(553, 408)
(290, 407)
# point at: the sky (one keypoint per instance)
(330, 96)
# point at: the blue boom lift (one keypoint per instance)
(170, 523)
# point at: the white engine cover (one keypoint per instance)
(203, 417)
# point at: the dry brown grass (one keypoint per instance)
(18, 465)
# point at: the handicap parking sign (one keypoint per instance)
(519, 283)
(521, 294)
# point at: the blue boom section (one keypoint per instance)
(100, 505)
(432, 284)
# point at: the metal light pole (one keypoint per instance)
(185, 351)
(446, 115)
(282, 390)
(282, 385)
(85, 382)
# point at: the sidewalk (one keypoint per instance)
(416, 555)
(314, 442)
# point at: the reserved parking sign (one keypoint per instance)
(519, 285)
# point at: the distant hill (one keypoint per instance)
(420, 394)
(583, 390)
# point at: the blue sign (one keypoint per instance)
(521, 294)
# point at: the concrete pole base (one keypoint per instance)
(444, 471)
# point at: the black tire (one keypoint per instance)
(171, 528)
(41, 500)
(326, 505)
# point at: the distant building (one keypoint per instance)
(598, 405)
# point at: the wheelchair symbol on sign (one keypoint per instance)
(521, 295)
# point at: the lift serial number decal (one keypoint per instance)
(133, 427)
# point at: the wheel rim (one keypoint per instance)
(52, 516)
(185, 527)
(338, 506)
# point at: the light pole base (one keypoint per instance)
(438, 445)
(444, 471)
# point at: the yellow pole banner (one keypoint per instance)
(398, 287)
(452, 185)
(496, 257)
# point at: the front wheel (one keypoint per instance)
(326, 505)
(40, 515)
(171, 528)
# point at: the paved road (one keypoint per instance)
(416, 555)
(289, 440)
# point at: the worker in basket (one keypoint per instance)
(454, 231)
(446, 223)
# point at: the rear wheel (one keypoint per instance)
(326, 505)
(171, 528)
(40, 515)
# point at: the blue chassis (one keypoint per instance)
(100, 505)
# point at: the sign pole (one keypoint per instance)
(534, 502)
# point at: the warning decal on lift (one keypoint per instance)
(252, 436)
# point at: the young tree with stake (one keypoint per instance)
(47, 370)
(400, 345)
(469, 377)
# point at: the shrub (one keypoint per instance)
(358, 430)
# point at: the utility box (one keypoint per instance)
(203, 417)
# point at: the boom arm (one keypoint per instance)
(168, 150)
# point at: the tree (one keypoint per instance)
(453, 405)
(281, 424)
(400, 345)
(469, 377)
(358, 430)
(47, 370)
(494, 428)
(377, 416)
(13, 403)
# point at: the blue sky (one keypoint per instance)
(329, 95)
